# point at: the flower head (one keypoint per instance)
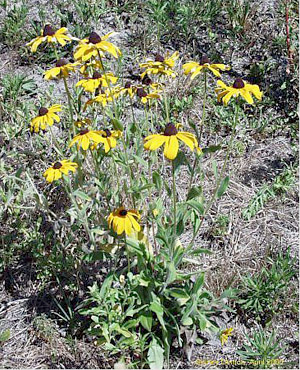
(239, 87)
(45, 117)
(58, 169)
(108, 138)
(195, 68)
(85, 138)
(90, 84)
(62, 69)
(145, 96)
(225, 334)
(170, 137)
(82, 122)
(89, 47)
(160, 65)
(51, 36)
(124, 220)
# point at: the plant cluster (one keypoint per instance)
(123, 194)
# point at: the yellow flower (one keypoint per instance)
(85, 138)
(124, 220)
(90, 84)
(108, 138)
(128, 89)
(225, 334)
(239, 87)
(103, 98)
(51, 36)
(83, 122)
(145, 97)
(46, 117)
(170, 137)
(161, 65)
(91, 64)
(62, 69)
(196, 68)
(89, 47)
(58, 169)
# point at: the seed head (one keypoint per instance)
(43, 111)
(123, 212)
(61, 62)
(96, 75)
(170, 130)
(159, 58)
(94, 38)
(48, 30)
(83, 132)
(204, 60)
(141, 93)
(57, 165)
(238, 83)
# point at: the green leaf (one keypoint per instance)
(146, 320)
(198, 284)
(196, 252)
(211, 149)
(194, 192)
(156, 178)
(155, 355)
(223, 187)
(215, 168)
(82, 195)
(5, 335)
(117, 125)
(197, 206)
(187, 321)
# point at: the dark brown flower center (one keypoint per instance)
(141, 93)
(43, 111)
(127, 85)
(204, 60)
(238, 83)
(159, 58)
(94, 38)
(61, 62)
(170, 130)
(123, 212)
(57, 165)
(146, 80)
(83, 132)
(107, 133)
(48, 30)
(96, 75)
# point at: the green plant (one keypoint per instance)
(281, 184)
(14, 86)
(263, 350)
(12, 31)
(147, 310)
(4, 336)
(264, 294)
(221, 225)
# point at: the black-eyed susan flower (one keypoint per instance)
(128, 89)
(124, 220)
(103, 98)
(85, 138)
(51, 36)
(145, 96)
(239, 88)
(195, 68)
(108, 138)
(46, 117)
(93, 64)
(89, 47)
(82, 122)
(62, 69)
(90, 84)
(225, 334)
(170, 137)
(161, 65)
(58, 169)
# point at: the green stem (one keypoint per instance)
(174, 198)
(201, 130)
(70, 104)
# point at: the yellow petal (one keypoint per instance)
(171, 147)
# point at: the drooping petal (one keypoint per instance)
(186, 139)
(171, 147)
